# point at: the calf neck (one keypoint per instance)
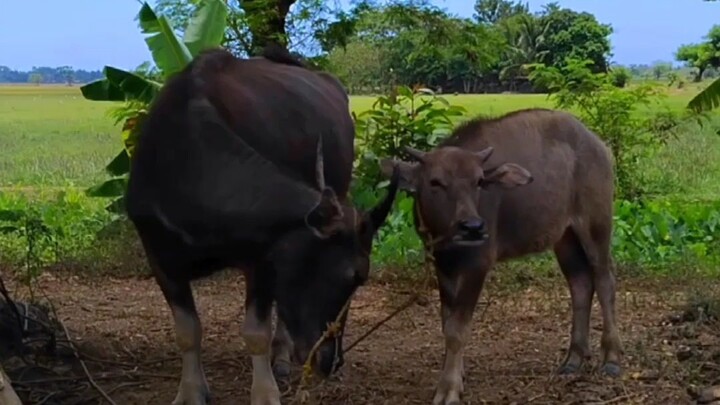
(502, 188)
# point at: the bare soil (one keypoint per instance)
(124, 330)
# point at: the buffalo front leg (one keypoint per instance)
(257, 333)
(193, 388)
(459, 293)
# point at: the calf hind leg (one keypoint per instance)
(578, 273)
(604, 280)
(596, 247)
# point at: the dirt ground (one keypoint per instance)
(124, 330)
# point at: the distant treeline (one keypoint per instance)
(43, 74)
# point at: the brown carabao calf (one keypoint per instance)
(507, 187)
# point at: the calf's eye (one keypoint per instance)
(436, 183)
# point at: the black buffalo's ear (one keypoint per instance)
(326, 217)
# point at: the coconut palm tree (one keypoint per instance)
(526, 36)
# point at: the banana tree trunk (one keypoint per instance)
(7, 393)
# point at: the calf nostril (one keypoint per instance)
(472, 225)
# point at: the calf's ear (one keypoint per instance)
(326, 218)
(508, 175)
(406, 172)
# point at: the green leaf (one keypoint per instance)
(111, 188)
(120, 165)
(169, 53)
(133, 86)
(117, 206)
(4, 230)
(206, 29)
(102, 90)
(120, 85)
(707, 99)
(11, 215)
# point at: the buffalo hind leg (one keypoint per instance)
(578, 273)
(459, 293)
(281, 349)
(257, 333)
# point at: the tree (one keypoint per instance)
(526, 36)
(35, 78)
(492, 12)
(661, 69)
(702, 57)
(251, 24)
(577, 36)
(68, 74)
(358, 65)
(698, 56)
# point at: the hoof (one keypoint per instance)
(611, 370)
(281, 370)
(448, 393)
(568, 369)
(198, 398)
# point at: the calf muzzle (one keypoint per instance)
(471, 232)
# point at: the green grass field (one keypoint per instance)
(51, 137)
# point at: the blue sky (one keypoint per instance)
(88, 34)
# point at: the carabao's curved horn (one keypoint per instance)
(484, 154)
(380, 212)
(414, 153)
(320, 165)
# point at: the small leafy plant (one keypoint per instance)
(414, 117)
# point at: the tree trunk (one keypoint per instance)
(698, 77)
(266, 21)
(7, 393)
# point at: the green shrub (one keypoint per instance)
(632, 122)
(620, 76)
(658, 233)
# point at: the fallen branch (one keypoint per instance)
(84, 366)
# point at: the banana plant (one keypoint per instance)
(171, 54)
(707, 99)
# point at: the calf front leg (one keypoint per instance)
(257, 333)
(459, 293)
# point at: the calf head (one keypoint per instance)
(319, 267)
(453, 191)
